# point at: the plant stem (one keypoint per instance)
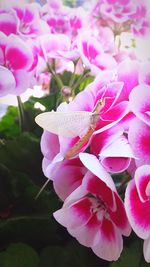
(124, 182)
(21, 113)
(85, 74)
(22, 117)
(55, 76)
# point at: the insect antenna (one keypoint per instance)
(46, 183)
(42, 188)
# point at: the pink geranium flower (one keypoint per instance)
(92, 53)
(94, 214)
(139, 136)
(138, 206)
(16, 59)
(67, 175)
(140, 102)
(8, 22)
(102, 141)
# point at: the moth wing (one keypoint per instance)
(66, 124)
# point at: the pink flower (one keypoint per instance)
(8, 22)
(128, 72)
(16, 59)
(140, 102)
(139, 136)
(29, 23)
(101, 143)
(94, 214)
(67, 175)
(123, 16)
(113, 150)
(93, 55)
(144, 75)
(138, 206)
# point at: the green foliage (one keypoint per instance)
(131, 256)
(70, 255)
(9, 126)
(19, 255)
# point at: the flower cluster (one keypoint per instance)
(119, 143)
(41, 42)
(123, 15)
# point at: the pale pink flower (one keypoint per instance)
(8, 22)
(139, 139)
(93, 55)
(67, 175)
(137, 206)
(29, 23)
(140, 102)
(144, 75)
(94, 214)
(123, 16)
(16, 59)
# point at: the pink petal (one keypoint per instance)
(68, 177)
(105, 61)
(50, 168)
(110, 243)
(115, 164)
(128, 73)
(117, 156)
(140, 102)
(7, 81)
(22, 79)
(102, 140)
(98, 188)
(120, 221)
(146, 249)
(8, 23)
(87, 234)
(113, 116)
(76, 215)
(119, 148)
(93, 165)
(142, 180)
(49, 145)
(137, 211)
(139, 141)
(144, 75)
(18, 54)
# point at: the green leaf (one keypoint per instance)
(144, 264)
(9, 124)
(131, 256)
(22, 154)
(19, 255)
(70, 255)
(36, 230)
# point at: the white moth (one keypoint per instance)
(69, 124)
(66, 124)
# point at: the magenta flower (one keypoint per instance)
(93, 55)
(123, 16)
(8, 22)
(140, 102)
(138, 206)
(139, 136)
(16, 59)
(29, 23)
(66, 176)
(112, 149)
(144, 75)
(94, 214)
